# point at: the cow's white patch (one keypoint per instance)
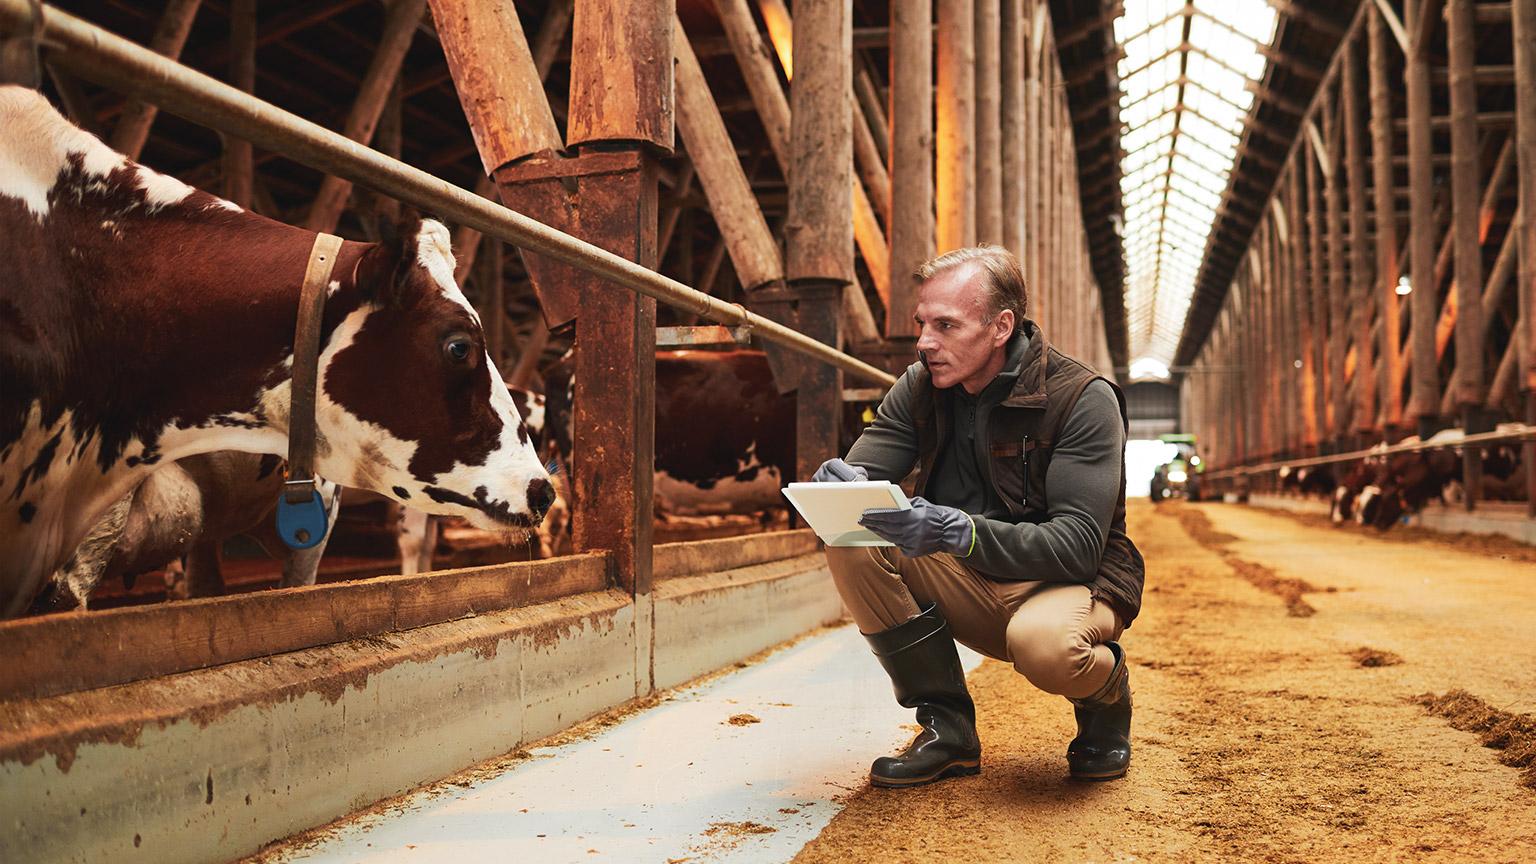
(160, 190)
(726, 496)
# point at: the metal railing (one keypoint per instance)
(110, 60)
(1522, 433)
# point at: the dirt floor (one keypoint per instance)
(1281, 668)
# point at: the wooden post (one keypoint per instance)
(239, 168)
(621, 84)
(912, 160)
(1012, 69)
(1297, 308)
(754, 253)
(956, 110)
(819, 228)
(1338, 296)
(1523, 14)
(1424, 392)
(498, 84)
(773, 110)
(989, 131)
(399, 28)
(1390, 355)
(1362, 298)
(1317, 353)
(132, 128)
(1467, 383)
(1034, 215)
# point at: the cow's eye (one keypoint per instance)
(457, 349)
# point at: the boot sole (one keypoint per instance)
(1099, 778)
(967, 768)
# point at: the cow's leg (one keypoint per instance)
(418, 536)
(204, 575)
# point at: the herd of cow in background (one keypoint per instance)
(1386, 486)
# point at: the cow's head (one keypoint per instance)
(409, 403)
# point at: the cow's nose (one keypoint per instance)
(541, 496)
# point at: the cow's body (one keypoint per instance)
(725, 436)
(143, 321)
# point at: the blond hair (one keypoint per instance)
(1002, 278)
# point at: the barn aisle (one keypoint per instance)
(743, 767)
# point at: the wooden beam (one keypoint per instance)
(989, 130)
(132, 128)
(615, 79)
(1424, 392)
(399, 28)
(1465, 191)
(238, 168)
(1362, 299)
(496, 79)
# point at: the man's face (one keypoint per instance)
(961, 347)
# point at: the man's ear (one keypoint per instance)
(1002, 326)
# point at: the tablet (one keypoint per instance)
(833, 509)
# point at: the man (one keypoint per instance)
(1015, 544)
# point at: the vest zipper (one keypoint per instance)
(1024, 486)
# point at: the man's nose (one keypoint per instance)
(925, 340)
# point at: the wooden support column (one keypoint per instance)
(1011, 64)
(1362, 297)
(1295, 309)
(400, 26)
(132, 128)
(1523, 16)
(1317, 354)
(753, 250)
(1338, 287)
(239, 168)
(773, 110)
(1390, 354)
(1467, 383)
(818, 232)
(1034, 214)
(989, 119)
(621, 84)
(912, 143)
(956, 110)
(1424, 391)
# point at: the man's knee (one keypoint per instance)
(1051, 658)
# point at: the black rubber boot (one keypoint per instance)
(1102, 748)
(920, 656)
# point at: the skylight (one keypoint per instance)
(1185, 82)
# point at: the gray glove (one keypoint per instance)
(925, 529)
(838, 471)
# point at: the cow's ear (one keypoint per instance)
(381, 272)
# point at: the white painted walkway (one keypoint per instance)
(744, 768)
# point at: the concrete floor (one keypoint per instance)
(744, 768)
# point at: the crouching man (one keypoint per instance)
(1015, 544)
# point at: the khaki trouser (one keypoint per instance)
(1052, 632)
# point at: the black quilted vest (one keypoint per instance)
(1020, 434)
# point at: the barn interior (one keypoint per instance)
(1289, 229)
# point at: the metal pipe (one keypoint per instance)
(94, 53)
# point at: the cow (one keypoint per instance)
(1404, 482)
(725, 435)
(143, 321)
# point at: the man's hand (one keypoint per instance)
(925, 529)
(838, 471)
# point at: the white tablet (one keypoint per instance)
(833, 509)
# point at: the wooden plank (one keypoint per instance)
(674, 560)
(619, 92)
(496, 79)
(53, 654)
(1523, 22)
(1317, 331)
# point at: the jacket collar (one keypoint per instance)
(1029, 387)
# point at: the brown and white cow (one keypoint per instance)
(142, 321)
